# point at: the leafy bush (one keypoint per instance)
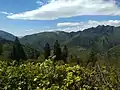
(51, 76)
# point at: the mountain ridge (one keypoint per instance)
(80, 38)
(72, 39)
(7, 35)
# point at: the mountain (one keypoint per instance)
(82, 39)
(105, 37)
(40, 39)
(88, 36)
(114, 55)
(7, 35)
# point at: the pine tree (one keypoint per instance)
(57, 50)
(13, 54)
(18, 52)
(65, 53)
(1, 48)
(47, 51)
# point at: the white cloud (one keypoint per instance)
(6, 13)
(39, 2)
(69, 26)
(29, 30)
(34, 31)
(67, 8)
(92, 23)
(70, 29)
(77, 26)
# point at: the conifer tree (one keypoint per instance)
(1, 48)
(47, 51)
(57, 50)
(65, 53)
(17, 51)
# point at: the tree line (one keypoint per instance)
(58, 54)
(17, 53)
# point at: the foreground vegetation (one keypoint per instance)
(55, 76)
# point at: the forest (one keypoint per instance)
(57, 67)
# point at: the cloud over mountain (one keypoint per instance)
(76, 26)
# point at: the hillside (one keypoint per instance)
(7, 48)
(114, 54)
(75, 39)
(105, 37)
(87, 37)
(7, 35)
(40, 39)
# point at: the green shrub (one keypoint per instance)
(51, 76)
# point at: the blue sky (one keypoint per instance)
(23, 17)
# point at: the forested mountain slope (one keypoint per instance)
(8, 45)
(81, 38)
(40, 39)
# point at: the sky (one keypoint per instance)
(24, 17)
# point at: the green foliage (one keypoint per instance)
(18, 52)
(102, 44)
(113, 56)
(51, 76)
(93, 54)
(1, 48)
(47, 51)
(30, 52)
(57, 50)
(65, 53)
